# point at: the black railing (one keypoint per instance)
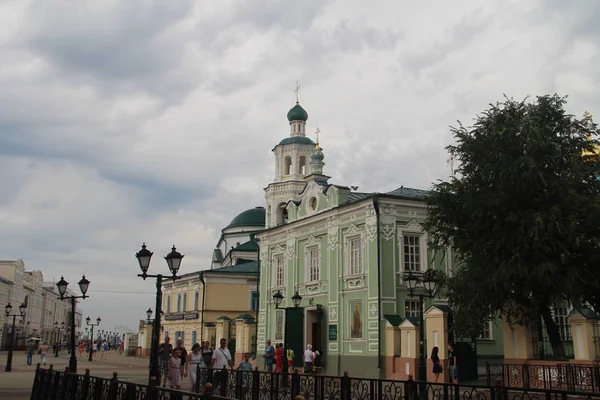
(570, 377)
(542, 346)
(261, 385)
(49, 384)
(258, 385)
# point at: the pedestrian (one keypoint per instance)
(278, 357)
(194, 361)
(452, 364)
(290, 358)
(437, 366)
(269, 356)
(164, 355)
(309, 359)
(81, 349)
(221, 359)
(104, 351)
(246, 370)
(29, 351)
(184, 352)
(207, 354)
(43, 350)
(175, 373)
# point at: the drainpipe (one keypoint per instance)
(255, 349)
(376, 207)
(203, 299)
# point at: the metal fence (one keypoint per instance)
(596, 339)
(259, 385)
(49, 384)
(570, 377)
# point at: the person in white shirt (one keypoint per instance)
(221, 357)
(309, 359)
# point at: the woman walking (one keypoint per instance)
(278, 357)
(194, 360)
(175, 370)
(437, 366)
(309, 359)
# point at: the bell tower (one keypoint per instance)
(292, 164)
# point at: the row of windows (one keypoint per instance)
(181, 305)
(412, 260)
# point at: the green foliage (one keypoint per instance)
(522, 214)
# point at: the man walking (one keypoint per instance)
(30, 349)
(452, 364)
(221, 359)
(43, 351)
(269, 356)
(164, 355)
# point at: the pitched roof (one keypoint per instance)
(245, 268)
(394, 320)
(248, 246)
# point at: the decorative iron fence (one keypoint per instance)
(570, 377)
(261, 385)
(49, 384)
(257, 385)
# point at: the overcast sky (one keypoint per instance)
(130, 121)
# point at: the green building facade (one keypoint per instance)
(345, 253)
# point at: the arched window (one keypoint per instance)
(288, 165)
(282, 215)
(302, 165)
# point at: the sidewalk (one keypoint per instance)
(17, 383)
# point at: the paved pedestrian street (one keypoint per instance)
(17, 383)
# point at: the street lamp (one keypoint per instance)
(58, 329)
(87, 322)
(84, 284)
(277, 299)
(7, 311)
(174, 263)
(430, 284)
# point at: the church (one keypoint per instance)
(342, 254)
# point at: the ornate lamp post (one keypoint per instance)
(87, 322)
(173, 262)
(58, 329)
(84, 284)
(430, 285)
(277, 299)
(8, 309)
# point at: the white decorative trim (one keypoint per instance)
(353, 230)
(333, 347)
(333, 314)
(332, 239)
(373, 310)
(387, 231)
(313, 241)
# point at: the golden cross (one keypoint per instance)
(297, 91)
(317, 133)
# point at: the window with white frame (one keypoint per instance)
(412, 253)
(313, 264)
(486, 331)
(411, 308)
(560, 315)
(355, 265)
(279, 272)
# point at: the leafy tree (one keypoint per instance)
(522, 215)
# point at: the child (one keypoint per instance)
(175, 370)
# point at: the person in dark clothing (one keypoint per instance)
(207, 354)
(437, 366)
(184, 353)
(452, 364)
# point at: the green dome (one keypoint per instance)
(296, 139)
(317, 154)
(252, 217)
(297, 113)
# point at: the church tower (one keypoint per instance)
(292, 158)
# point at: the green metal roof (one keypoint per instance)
(248, 246)
(245, 268)
(223, 318)
(252, 217)
(296, 139)
(297, 113)
(394, 320)
(244, 317)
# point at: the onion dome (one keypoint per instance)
(297, 113)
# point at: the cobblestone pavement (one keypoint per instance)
(17, 383)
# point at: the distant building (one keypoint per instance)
(220, 302)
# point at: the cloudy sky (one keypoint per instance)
(131, 121)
